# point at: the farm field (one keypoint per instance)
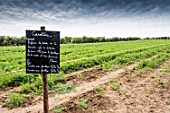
(95, 77)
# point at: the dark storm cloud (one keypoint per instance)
(87, 17)
(41, 10)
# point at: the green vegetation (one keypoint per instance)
(153, 63)
(63, 88)
(53, 84)
(79, 75)
(16, 79)
(78, 56)
(8, 41)
(82, 103)
(15, 41)
(28, 88)
(13, 58)
(100, 91)
(109, 55)
(15, 101)
(125, 91)
(114, 85)
(58, 109)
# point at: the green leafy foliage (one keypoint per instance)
(79, 75)
(58, 109)
(63, 88)
(36, 87)
(153, 63)
(114, 86)
(100, 91)
(15, 101)
(79, 56)
(82, 103)
(75, 57)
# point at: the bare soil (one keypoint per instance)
(139, 92)
(87, 76)
(71, 77)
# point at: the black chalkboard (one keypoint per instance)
(42, 51)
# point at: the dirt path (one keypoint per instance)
(138, 92)
(5, 92)
(64, 98)
(57, 100)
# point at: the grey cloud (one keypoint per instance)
(68, 11)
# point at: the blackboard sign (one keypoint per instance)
(42, 51)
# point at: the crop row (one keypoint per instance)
(85, 101)
(13, 58)
(34, 85)
(16, 79)
(91, 61)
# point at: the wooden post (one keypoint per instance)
(45, 87)
(45, 92)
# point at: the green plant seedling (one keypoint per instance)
(114, 86)
(58, 109)
(64, 88)
(83, 103)
(148, 68)
(100, 91)
(15, 101)
(125, 91)
(99, 88)
(80, 75)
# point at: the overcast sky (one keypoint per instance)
(109, 18)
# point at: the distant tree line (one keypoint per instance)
(16, 41)
(85, 39)
(148, 38)
(12, 41)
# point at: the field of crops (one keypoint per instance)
(13, 58)
(108, 56)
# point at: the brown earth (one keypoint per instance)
(6, 92)
(89, 75)
(124, 100)
(139, 92)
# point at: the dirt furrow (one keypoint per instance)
(66, 97)
(53, 101)
(137, 93)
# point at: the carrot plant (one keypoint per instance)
(153, 63)
(109, 60)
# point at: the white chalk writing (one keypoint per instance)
(42, 53)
